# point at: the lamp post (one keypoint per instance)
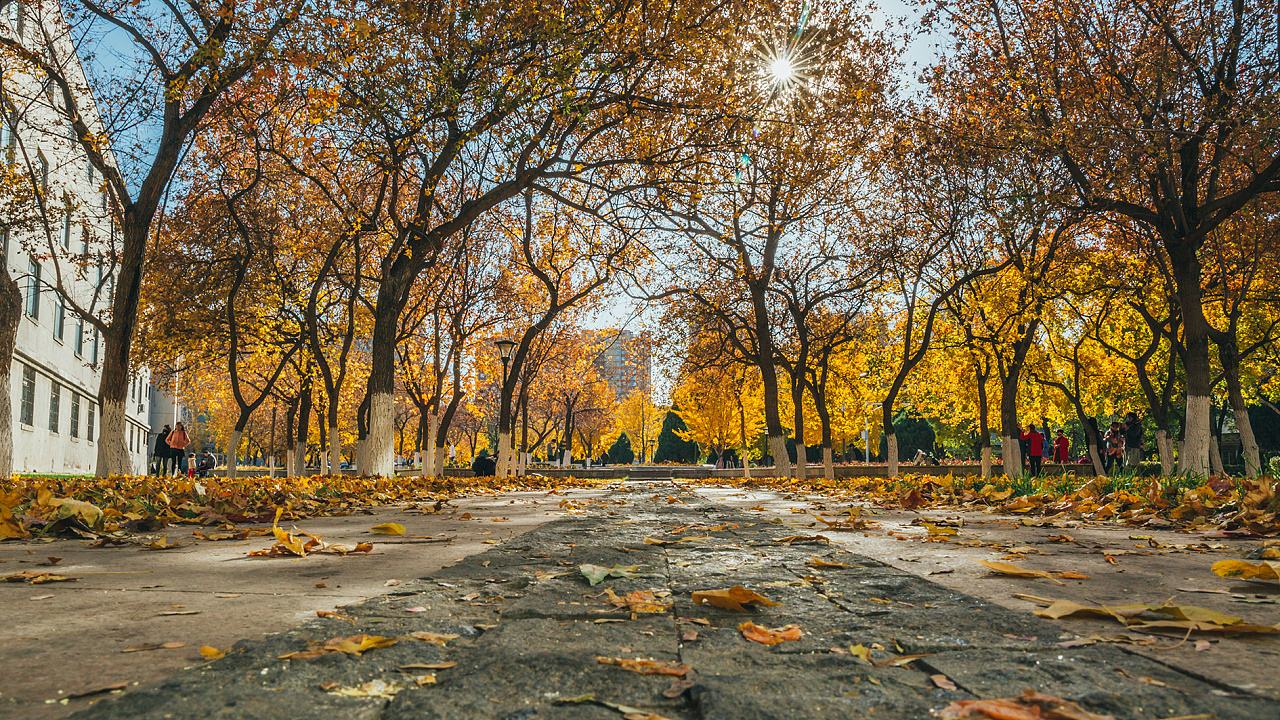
(505, 347)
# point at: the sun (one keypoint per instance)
(782, 70)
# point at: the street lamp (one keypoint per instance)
(504, 351)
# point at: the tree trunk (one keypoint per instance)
(802, 452)
(1215, 456)
(1229, 354)
(1195, 329)
(891, 450)
(10, 318)
(828, 463)
(233, 450)
(429, 448)
(380, 445)
(778, 449)
(1164, 446)
(113, 388)
(335, 451)
(986, 459)
(984, 423)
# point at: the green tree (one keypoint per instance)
(620, 453)
(671, 448)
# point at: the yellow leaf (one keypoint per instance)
(862, 652)
(817, 562)
(1011, 570)
(433, 638)
(1247, 571)
(646, 666)
(388, 529)
(209, 652)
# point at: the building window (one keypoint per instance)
(79, 337)
(55, 406)
(27, 411)
(59, 317)
(66, 225)
(75, 414)
(90, 420)
(33, 289)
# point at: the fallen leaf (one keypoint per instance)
(645, 666)
(862, 652)
(36, 577)
(209, 652)
(434, 638)
(428, 666)
(943, 682)
(1030, 706)
(596, 574)
(374, 689)
(424, 680)
(98, 690)
(390, 528)
(804, 540)
(735, 599)
(769, 636)
(1264, 570)
(1011, 570)
(349, 644)
(173, 645)
(817, 562)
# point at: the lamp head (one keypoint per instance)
(505, 347)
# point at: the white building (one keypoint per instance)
(63, 242)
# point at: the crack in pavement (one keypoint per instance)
(530, 628)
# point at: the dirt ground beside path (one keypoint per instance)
(67, 638)
(1145, 566)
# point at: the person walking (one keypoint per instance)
(1132, 441)
(178, 442)
(1061, 448)
(1035, 449)
(160, 454)
(1114, 441)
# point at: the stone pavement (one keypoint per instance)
(530, 629)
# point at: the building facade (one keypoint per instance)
(626, 362)
(58, 240)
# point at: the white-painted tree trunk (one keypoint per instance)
(233, 453)
(113, 452)
(891, 453)
(1215, 456)
(288, 462)
(986, 462)
(1248, 444)
(429, 449)
(778, 449)
(1195, 448)
(380, 445)
(1095, 458)
(1164, 447)
(6, 422)
(504, 466)
(1011, 455)
(828, 464)
(335, 451)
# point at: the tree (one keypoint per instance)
(620, 453)
(671, 447)
(1163, 112)
(185, 58)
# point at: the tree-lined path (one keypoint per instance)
(517, 631)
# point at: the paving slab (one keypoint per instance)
(530, 630)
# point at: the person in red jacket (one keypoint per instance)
(1061, 448)
(1035, 449)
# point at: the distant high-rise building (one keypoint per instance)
(626, 363)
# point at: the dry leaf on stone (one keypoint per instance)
(862, 652)
(209, 652)
(36, 577)
(735, 599)
(596, 574)
(374, 690)
(819, 563)
(1030, 706)
(943, 682)
(427, 666)
(349, 644)
(646, 666)
(637, 601)
(769, 636)
(390, 528)
(434, 638)
(804, 540)
(1011, 570)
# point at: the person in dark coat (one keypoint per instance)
(1132, 441)
(484, 465)
(160, 455)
